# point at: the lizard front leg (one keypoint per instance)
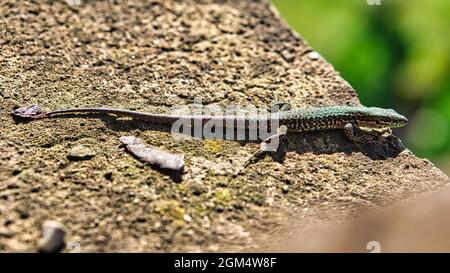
(349, 132)
(269, 145)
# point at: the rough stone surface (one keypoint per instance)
(420, 224)
(150, 55)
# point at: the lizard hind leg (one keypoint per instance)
(280, 106)
(270, 145)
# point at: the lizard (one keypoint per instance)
(289, 120)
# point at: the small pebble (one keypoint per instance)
(287, 55)
(53, 237)
(285, 188)
(314, 55)
(187, 218)
(103, 138)
(80, 153)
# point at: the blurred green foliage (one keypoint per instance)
(395, 55)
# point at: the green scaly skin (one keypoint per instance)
(337, 117)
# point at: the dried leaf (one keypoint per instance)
(154, 156)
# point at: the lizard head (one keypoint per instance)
(375, 117)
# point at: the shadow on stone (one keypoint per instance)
(372, 144)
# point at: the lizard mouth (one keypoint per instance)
(382, 123)
(399, 124)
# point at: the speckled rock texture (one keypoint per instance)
(149, 56)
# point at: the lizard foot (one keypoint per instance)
(270, 145)
(280, 107)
